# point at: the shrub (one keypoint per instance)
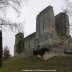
(6, 53)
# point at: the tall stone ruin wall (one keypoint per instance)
(53, 30)
(62, 24)
(45, 22)
(19, 43)
(29, 42)
(50, 30)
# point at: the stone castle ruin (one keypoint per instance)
(51, 31)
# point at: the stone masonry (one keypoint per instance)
(45, 22)
(62, 24)
(51, 31)
(19, 43)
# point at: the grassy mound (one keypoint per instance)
(17, 64)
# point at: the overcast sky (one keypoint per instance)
(29, 12)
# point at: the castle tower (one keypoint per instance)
(45, 22)
(62, 24)
(19, 43)
(18, 37)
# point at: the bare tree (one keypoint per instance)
(16, 5)
(6, 53)
(68, 10)
(4, 23)
(68, 7)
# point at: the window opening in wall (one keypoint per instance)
(29, 46)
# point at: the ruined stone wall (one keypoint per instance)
(45, 26)
(50, 31)
(45, 22)
(18, 37)
(24, 44)
(19, 43)
(62, 24)
(29, 42)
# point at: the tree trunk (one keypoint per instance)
(0, 48)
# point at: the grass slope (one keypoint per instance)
(17, 64)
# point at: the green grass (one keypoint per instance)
(61, 64)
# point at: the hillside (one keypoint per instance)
(19, 63)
